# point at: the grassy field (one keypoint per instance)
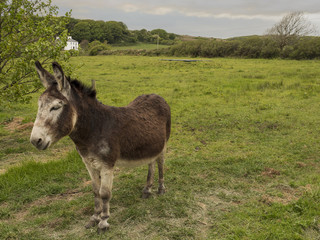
(242, 161)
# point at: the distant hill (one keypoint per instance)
(244, 37)
(186, 38)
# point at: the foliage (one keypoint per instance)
(290, 28)
(90, 30)
(84, 44)
(119, 32)
(82, 30)
(242, 160)
(205, 48)
(28, 31)
(95, 47)
(247, 47)
(161, 33)
(143, 35)
(305, 48)
(243, 47)
(115, 33)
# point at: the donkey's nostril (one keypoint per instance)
(36, 141)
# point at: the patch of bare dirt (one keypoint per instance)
(210, 205)
(68, 196)
(270, 172)
(288, 194)
(285, 199)
(301, 164)
(17, 125)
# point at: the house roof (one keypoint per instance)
(71, 40)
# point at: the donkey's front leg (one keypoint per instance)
(95, 177)
(105, 192)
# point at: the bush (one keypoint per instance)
(204, 48)
(73, 52)
(84, 44)
(248, 47)
(97, 48)
(270, 50)
(305, 48)
(244, 47)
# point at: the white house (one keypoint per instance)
(71, 44)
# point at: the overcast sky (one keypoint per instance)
(215, 18)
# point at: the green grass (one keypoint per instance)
(242, 161)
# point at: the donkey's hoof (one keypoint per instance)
(146, 195)
(103, 226)
(161, 191)
(94, 220)
(91, 224)
(102, 230)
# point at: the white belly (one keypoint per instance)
(134, 163)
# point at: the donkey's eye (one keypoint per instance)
(55, 108)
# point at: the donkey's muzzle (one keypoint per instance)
(39, 143)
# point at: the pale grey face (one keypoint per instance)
(56, 117)
(45, 128)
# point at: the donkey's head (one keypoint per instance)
(56, 115)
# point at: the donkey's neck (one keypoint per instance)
(92, 117)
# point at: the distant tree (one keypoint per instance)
(143, 35)
(119, 32)
(290, 28)
(106, 32)
(172, 36)
(28, 31)
(82, 31)
(161, 33)
(98, 31)
(72, 22)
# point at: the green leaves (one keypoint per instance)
(28, 31)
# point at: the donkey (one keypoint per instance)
(105, 136)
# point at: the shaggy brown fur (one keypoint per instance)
(104, 136)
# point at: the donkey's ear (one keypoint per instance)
(62, 81)
(46, 78)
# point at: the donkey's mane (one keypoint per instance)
(89, 91)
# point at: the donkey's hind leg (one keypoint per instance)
(147, 189)
(160, 161)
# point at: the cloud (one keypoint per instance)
(200, 12)
(233, 9)
(228, 15)
(229, 9)
(130, 8)
(153, 11)
(220, 18)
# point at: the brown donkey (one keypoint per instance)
(104, 136)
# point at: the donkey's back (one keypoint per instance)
(143, 128)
